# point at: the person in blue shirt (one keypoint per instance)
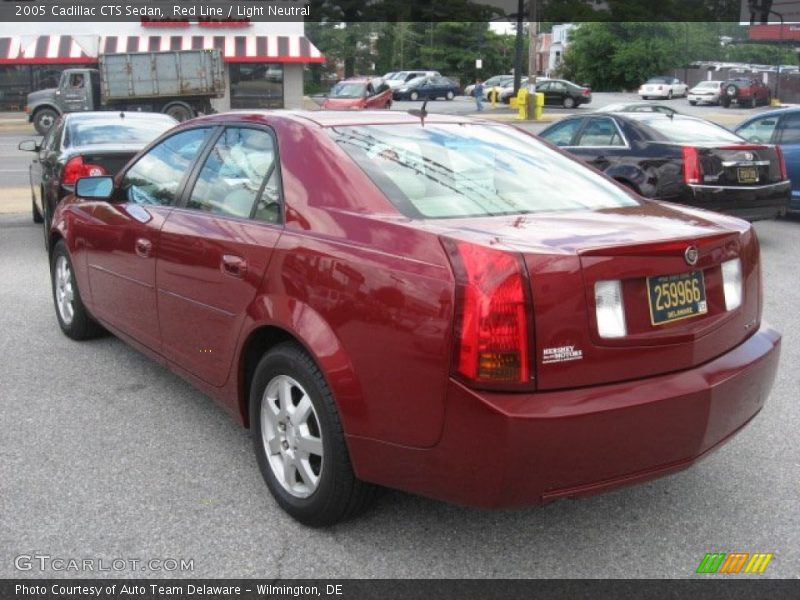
(477, 91)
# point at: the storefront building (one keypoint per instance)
(264, 61)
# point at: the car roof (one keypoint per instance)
(776, 112)
(333, 118)
(111, 115)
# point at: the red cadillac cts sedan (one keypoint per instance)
(449, 307)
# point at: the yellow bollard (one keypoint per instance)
(538, 107)
(522, 103)
(493, 96)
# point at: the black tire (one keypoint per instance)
(179, 112)
(692, 102)
(43, 120)
(449, 95)
(669, 95)
(81, 326)
(37, 216)
(338, 495)
(413, 96)
(568, 102)
(645, 97)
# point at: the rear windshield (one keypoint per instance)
(120, 131)
(687, 130)
(659, 80)
(708, 84)
(452, 170)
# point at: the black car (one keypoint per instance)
(681, 159)
(430, 88)
(559, 92)
(83, 144)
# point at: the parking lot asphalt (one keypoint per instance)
(105, 454)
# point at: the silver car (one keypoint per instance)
(705, 92)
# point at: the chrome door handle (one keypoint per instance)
(143, 247)
(235, 266)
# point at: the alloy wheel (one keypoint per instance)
(65, 293)
(291, 436)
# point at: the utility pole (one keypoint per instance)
(533, 31)
(519, 47)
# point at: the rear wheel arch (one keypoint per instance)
(258, 343)
(321, 344)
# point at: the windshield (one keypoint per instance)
(690, 130)
(708, 84)
(399, 75)
(455, 170)
(120, 131)
(660, 80)
(348, 89)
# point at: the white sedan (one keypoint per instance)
(663, 86)
(705, 91)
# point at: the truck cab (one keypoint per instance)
(78, 90)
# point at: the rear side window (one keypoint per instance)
(464, 170)
(759, 131)
(600, 132)
(156, 176)
(239, 177)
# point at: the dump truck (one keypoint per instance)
(178, 83)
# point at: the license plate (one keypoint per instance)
(676, 297)
(747, 174)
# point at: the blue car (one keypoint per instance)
(780, 127)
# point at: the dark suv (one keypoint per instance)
(745, 91)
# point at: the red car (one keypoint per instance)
(354, 94)
(745, 92)
(453, 308)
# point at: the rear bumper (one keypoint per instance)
(519, 449)
(703, 98)
(750, 203)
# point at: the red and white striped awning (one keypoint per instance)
(46, 49)
(235, 48)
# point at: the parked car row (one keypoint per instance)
(434, 304)
(742, 91)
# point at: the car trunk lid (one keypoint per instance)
(566, 254)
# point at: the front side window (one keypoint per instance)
(461, 170)
(239, 177)
(790, 129)
(156, 176)
(562, 133)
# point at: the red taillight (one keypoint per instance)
(586, 92)
(492, 308)
(781, 162)
(691, 165)
(76, 168)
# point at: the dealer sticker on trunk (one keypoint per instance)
(561, 354)
(676, 297)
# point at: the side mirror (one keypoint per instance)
(95, 188)
(29, 146)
